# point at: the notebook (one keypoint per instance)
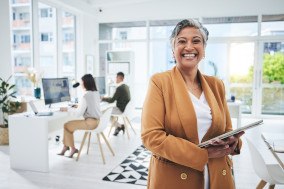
(231, 133)
(37, 113)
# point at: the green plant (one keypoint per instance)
(7, 97)
(273, 67)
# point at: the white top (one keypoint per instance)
(89, 105)
(204, 121)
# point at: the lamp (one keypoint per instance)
(75, 84)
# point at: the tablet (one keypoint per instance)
(231, 133)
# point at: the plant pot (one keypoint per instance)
(4, 135)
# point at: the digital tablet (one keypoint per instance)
(231, 133)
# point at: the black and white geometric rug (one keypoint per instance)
(133, 170)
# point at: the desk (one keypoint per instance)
(235, 111)
(28, 138)
(274, 141)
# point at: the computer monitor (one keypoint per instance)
(55, 90)
(101, 85)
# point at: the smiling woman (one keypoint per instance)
(199, 113)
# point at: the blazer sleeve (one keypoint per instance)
(157, 140)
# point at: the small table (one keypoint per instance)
(272, 139)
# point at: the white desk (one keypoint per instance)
(28, 138)
(235, 111)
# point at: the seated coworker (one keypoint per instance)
(122, 97)
(89, 108)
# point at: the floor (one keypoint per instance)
(89, 170)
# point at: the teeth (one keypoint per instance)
(189, 55)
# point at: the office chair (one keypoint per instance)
(99, 131)
(268, 173)
(126, 115)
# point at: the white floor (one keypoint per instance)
(89, 170)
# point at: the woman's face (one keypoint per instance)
(188, 48)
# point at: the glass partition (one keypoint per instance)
(122, 30)
(272, 25)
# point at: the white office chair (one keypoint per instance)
(104, 120)
(126, 115)
(268, 173)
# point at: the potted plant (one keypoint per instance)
(34, 77)
(8, 105)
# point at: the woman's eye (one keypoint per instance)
(196, 41)
(181, 41)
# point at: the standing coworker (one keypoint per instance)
(122, 97)
(182, 108)
(89, 108)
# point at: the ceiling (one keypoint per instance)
(107, 3)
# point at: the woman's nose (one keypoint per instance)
(189, 45)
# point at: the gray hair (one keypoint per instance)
(189, 23)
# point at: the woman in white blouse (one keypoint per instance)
(89, 108)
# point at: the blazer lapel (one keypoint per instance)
(184, 106)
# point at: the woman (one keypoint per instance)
(89, 108)
(182, 109)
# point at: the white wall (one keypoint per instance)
(5, 47)
(178, 9)
(86, 45)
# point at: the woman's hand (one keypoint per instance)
(63, 109)
(220, 148)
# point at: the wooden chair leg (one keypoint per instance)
(126, 127)
(107, 143)
(271, 186)
(130, 124)
(261, 184)
(82, 144)
(89, 142)
(112, 125)
(101, 149)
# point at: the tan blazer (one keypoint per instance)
(169, 130)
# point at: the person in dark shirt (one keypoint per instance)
(122, 97)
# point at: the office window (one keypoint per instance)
(272, 25)
(46, 37)
(162, 59)
(47, 46)
(68, 32)
(122, 30)
(24, 16)
(272, 87)
(47, 54)
(46, 12)
(25, 39)
(231, 26)
(21, 38)
(162, 28)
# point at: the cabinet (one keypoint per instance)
(119, 61)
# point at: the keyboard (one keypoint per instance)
(44, 114)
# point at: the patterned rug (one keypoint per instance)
(133, 170)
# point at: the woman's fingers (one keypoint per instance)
(220, 148)
(218, 151)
